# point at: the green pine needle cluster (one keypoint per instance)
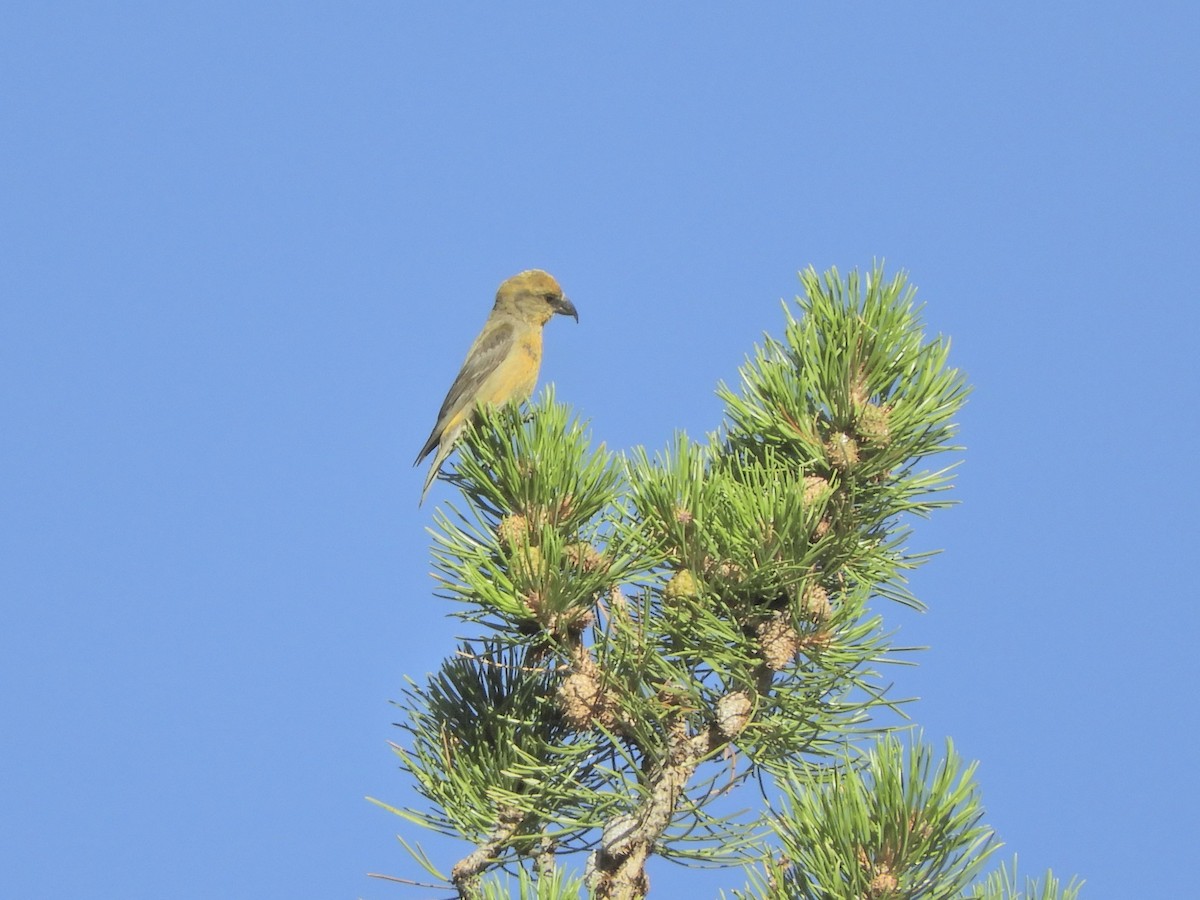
(657, 632)
(895, 823)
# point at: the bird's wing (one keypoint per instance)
(491, 348)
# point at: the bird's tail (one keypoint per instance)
(433, 470)
(445, 445)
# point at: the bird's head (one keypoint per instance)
(535, 296)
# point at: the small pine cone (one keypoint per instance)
(842, 451)
(551, 515)
(565, 509)
(817, 640)
(921, 829)
(672, 696)
(882, 886)
(582, 700)
(537, 516)
(583, 555)
(821, 530)
(779, 642)
(526, 564)
(564, 624)
(683, 516)
(859, 391)
(682, 586)
(730, 571)
(733, 713)
(815, 603)
(617, 603)
(533, 601)
(513, 531)
(871, 423)
(814, 488)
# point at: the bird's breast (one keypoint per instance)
(529, 352)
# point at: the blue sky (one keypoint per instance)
(246, 247)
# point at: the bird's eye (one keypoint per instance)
(550, 297)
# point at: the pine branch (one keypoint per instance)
(466, 872)
(617, 869)
(652, 622)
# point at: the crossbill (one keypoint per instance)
(503, 362)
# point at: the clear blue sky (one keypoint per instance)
(246, 246)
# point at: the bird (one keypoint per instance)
(503, 362)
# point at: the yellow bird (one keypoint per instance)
(503, 362)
